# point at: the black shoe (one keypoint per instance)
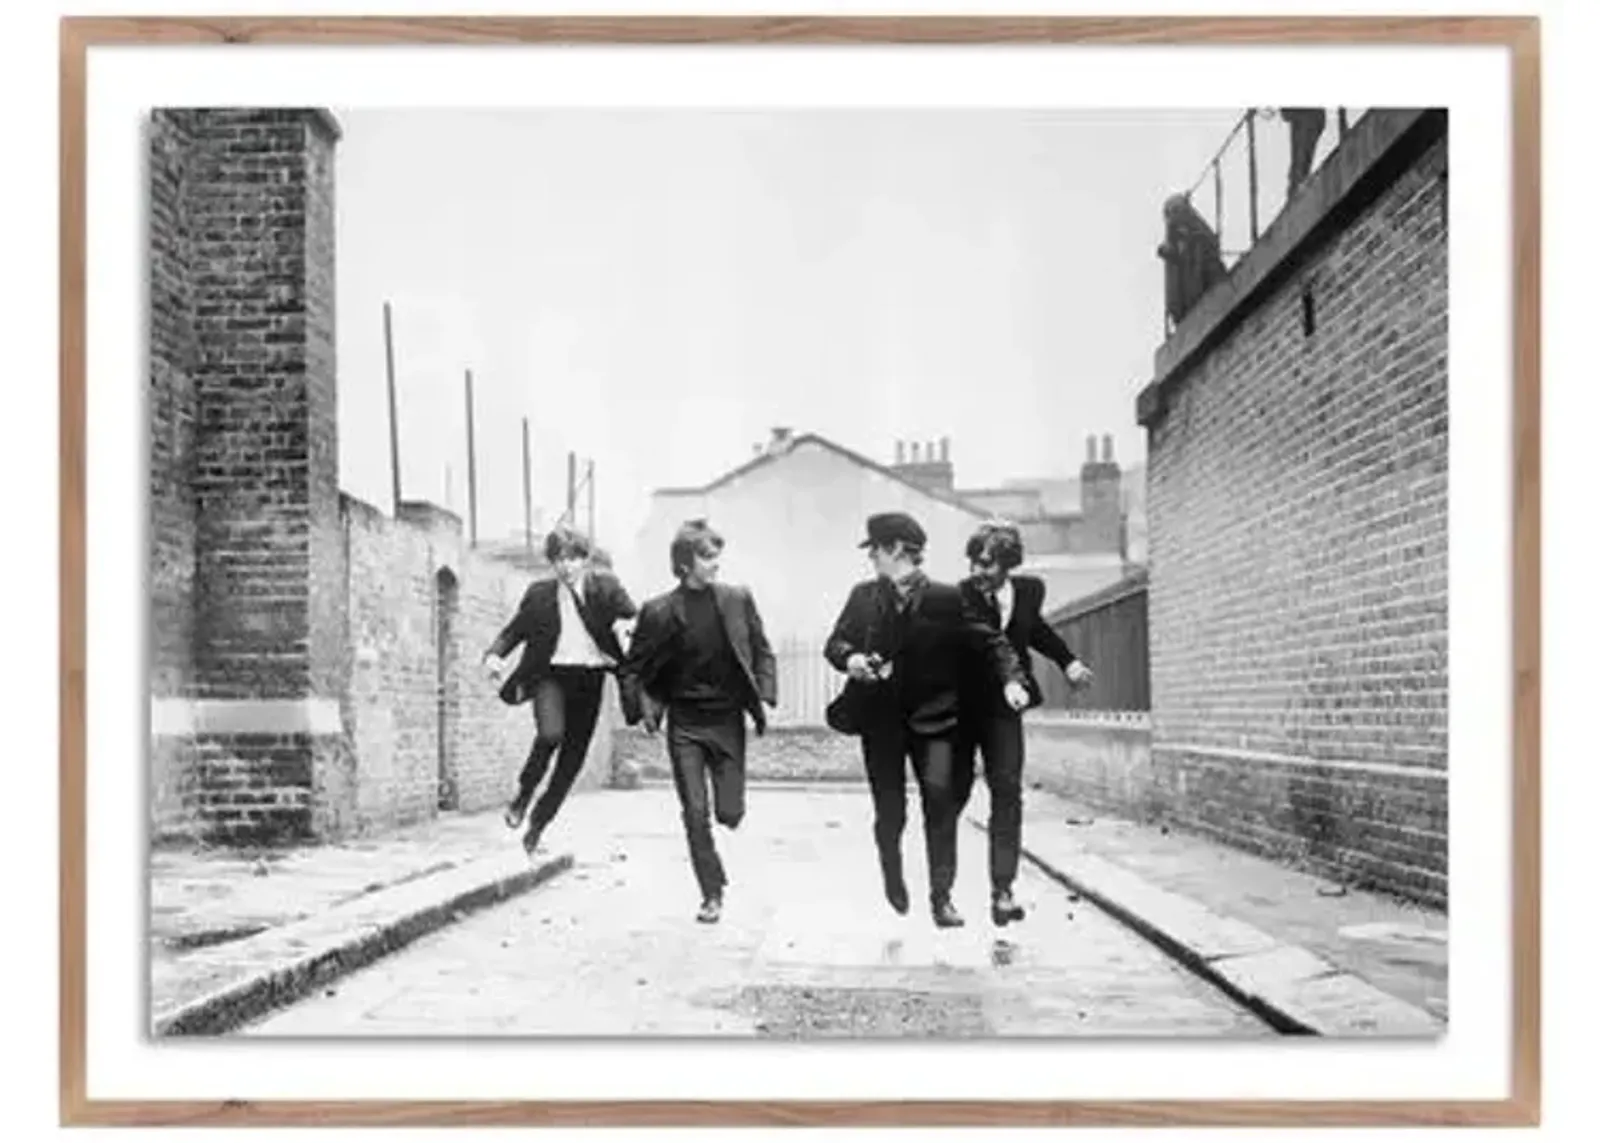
(894, 888)
(530, 840)
(514, 812)
(1003, 909)
(945, 915)
(710, 911)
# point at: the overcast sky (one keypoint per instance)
(657, 289)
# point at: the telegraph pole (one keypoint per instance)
(394, 418)
(527, 489)
(589, 480)
(472, 469)
(572, 489)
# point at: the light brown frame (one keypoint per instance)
(1520, 35)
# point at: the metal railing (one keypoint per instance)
(1245, 184)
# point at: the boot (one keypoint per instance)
(945, 915)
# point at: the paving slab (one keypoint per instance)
(1306, 955)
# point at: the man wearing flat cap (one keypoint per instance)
(907, 643)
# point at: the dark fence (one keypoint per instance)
(1110, 631)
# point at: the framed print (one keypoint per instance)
(800, 571)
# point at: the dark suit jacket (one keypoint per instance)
(537, 624)
(935, 646)
(1027, 631)
(649, 673)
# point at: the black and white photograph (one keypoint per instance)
(798, 573)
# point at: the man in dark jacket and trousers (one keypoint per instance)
(565, 627)
(1305, 128)
(700, 654)
(990, 725)
(907, 643)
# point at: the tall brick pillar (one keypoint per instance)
(265, 637)
(173, 410)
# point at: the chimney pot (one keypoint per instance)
(916, 452)
(944, 449)
(1105, 448)
(1089, 456)
(899, 452)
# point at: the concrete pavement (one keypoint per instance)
(1309, 954)
(235, 931)
(807, 948)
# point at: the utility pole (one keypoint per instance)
(572, 489)
(527, 490)
(472, 469)
(589, 480)
(394, 418)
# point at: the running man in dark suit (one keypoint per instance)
(991, 726)
(700, 653)
(565, 627)
(907, 642)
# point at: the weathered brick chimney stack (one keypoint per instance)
(928, 464)
(246, 532)
(1100, 481)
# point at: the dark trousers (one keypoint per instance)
(998, 739)
(707, 750)
(937, 763)
(1305, 128)
(566, 705)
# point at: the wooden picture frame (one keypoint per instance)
(1520, 35)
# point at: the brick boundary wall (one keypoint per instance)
(1099, 759)
(424, 740)
(1298, 445)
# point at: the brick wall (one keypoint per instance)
(243, 474)
(263, 322)
(173, 411)
(412, 580)
(1297, 507)
(1100, 760)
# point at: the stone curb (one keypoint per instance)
(1292, 989)
(290, 961)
